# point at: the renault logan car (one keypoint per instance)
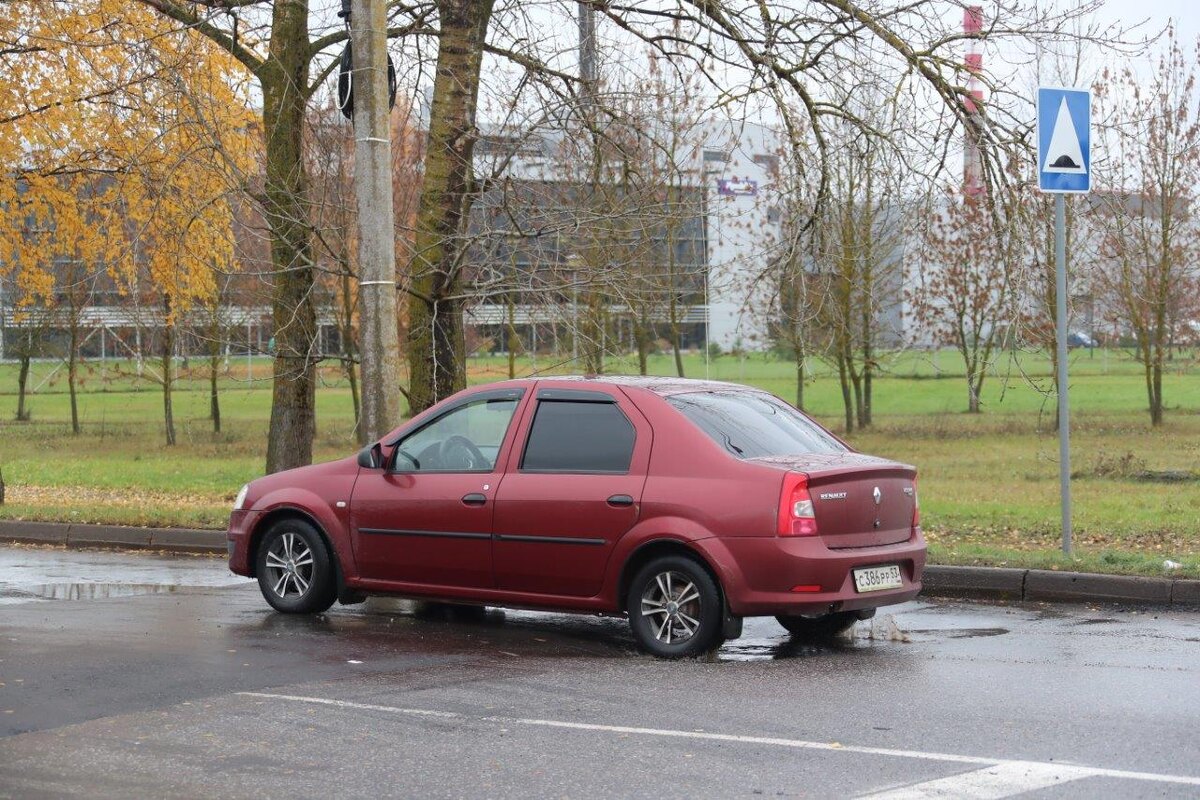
(685, 505)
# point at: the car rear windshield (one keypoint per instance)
(750, 425)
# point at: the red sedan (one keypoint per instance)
(685, 505)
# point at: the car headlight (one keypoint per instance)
(241, 497)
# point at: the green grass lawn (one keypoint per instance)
(988, 485)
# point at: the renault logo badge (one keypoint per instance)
(878, 496)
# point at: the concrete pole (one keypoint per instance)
(587, 49)
(379, 348)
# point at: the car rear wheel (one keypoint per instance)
(826, 626)
(675, 608)
(295, 570)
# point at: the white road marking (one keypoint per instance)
(990, 783)
(1077, 770)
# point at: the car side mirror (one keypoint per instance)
(371, 456)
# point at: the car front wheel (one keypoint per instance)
(826, 626)
(675, 608)
(294, 568)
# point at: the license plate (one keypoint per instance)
(875, 579)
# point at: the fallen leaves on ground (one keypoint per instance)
(92, 496)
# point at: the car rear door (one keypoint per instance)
(573, 488)
(427, 518)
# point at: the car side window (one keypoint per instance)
(466, 439)
(576, 436)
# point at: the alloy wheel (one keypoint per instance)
(289, 566)
(672, 603)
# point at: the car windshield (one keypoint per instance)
(750, 425)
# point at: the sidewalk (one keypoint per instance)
(975, 583)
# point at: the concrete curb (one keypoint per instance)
(998, 583)
(984, 583)
(993, 583)
(73, 535)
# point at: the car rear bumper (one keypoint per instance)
(237, 541)
(760, 573)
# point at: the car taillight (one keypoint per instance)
(796, 514)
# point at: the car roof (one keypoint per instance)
(662, 385)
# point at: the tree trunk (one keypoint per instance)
(1156, 392)
(673, 310)
(673, 303)
(347, 342)
(641, 335)
(167, 352)
(868, 374)
(799, 353)
(511, 335)
(868, 349)
(856, 385)
(214, 369)
(436, 347)
(72, 366)
(591, 344)
(974, 387)
(284, 77)
(22, 383)
(847, 400)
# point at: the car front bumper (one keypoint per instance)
(237, 541)
(760, 574)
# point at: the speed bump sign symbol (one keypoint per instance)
(1064, 137)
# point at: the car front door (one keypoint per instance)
(427, 517)
(571, 492)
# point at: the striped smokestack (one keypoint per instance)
(973, 61)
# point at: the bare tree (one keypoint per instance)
(965, 292)
(1151, 240)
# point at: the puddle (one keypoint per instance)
(94, 591)
(31, 576)
(776, 649)
(962, 633)
(863, 636)
(880, 631)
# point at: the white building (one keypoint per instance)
(730, 167)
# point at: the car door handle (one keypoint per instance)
(474, 499)
(620, 500)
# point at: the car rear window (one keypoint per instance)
(569, 436)
(750, 425)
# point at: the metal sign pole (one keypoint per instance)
(1064, 143)
(1064, 424)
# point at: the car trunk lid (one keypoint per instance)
(858, 500)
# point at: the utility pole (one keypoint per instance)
(593, 358)
(379, 349)
(587, 49)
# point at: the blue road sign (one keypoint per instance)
(1064, 137)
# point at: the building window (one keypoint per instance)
(767, 162)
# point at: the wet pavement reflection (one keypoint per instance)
(388, 627)
(35, 573)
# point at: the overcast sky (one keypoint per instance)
(1186, 14)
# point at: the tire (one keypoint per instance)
(826, 626)
(294, 568)
(661, 624)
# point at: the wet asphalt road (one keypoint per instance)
(170, 677)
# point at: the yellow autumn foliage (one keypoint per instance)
(122, 141)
